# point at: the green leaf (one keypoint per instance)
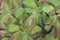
(42, 5)
(4, 38)
(47, 27)
(6, 7)
(13, 28)
(36, 17)
(47, 9)
(24, 35)
(58, 37)
(37, 29)
(9, 2)
(19, 12)
(52, 19)
(3, 17)
(15, 3)
(11, 21)
(21, 21)
(17, 36)
(29, 10)
(56, 3)
(30, 3)
(42, 17)
(50, 37)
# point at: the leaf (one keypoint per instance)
(21, 21)
(13, 28)
(15, 3)
(47, 9)
(50, 37)
(24, 35)
(47, 27)
(3, 17)
(56, 3)
(52, 19)
(4, 38)
(37, 29)
(58, 37)
(42, 17)
(17, 36)
(36, 17)
(11, 21)
(30, 3)
(29, 10)
(6, 7)
(9, 2)
(19, 12)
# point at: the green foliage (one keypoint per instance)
(6, 7)
(19, 12)
(20, 17)
(37, 29)
(11, 21)
(13, 28)
(9, 2)
(4, 16)
(47, 9)
(15, 3)
(56, 3)
(29, 10)
(5, 39)
(30, 3)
